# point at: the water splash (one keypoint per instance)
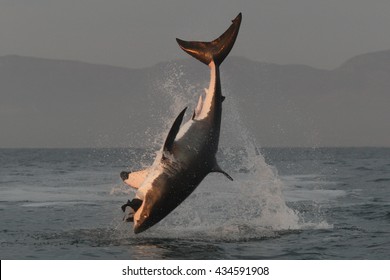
(178, 90)
(253, 206)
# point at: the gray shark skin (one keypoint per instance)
(188, 153)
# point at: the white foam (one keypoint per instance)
(317, 195)
(56, 203)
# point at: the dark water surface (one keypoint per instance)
(327, 203)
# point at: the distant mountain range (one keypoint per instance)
(56, 103)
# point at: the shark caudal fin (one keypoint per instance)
(216, 50)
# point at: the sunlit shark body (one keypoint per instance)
(188, 153)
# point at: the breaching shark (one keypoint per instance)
(189, 151)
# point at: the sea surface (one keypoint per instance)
(284, 203)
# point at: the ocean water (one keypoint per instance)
(285, 203)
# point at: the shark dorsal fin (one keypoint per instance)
(168, 145)
(218, 169)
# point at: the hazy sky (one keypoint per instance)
(139, 33)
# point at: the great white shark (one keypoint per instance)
(189, 151)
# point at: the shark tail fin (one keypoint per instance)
(216, 50)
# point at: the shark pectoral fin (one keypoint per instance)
(218, 169)
(134, 179)
(168, 145)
